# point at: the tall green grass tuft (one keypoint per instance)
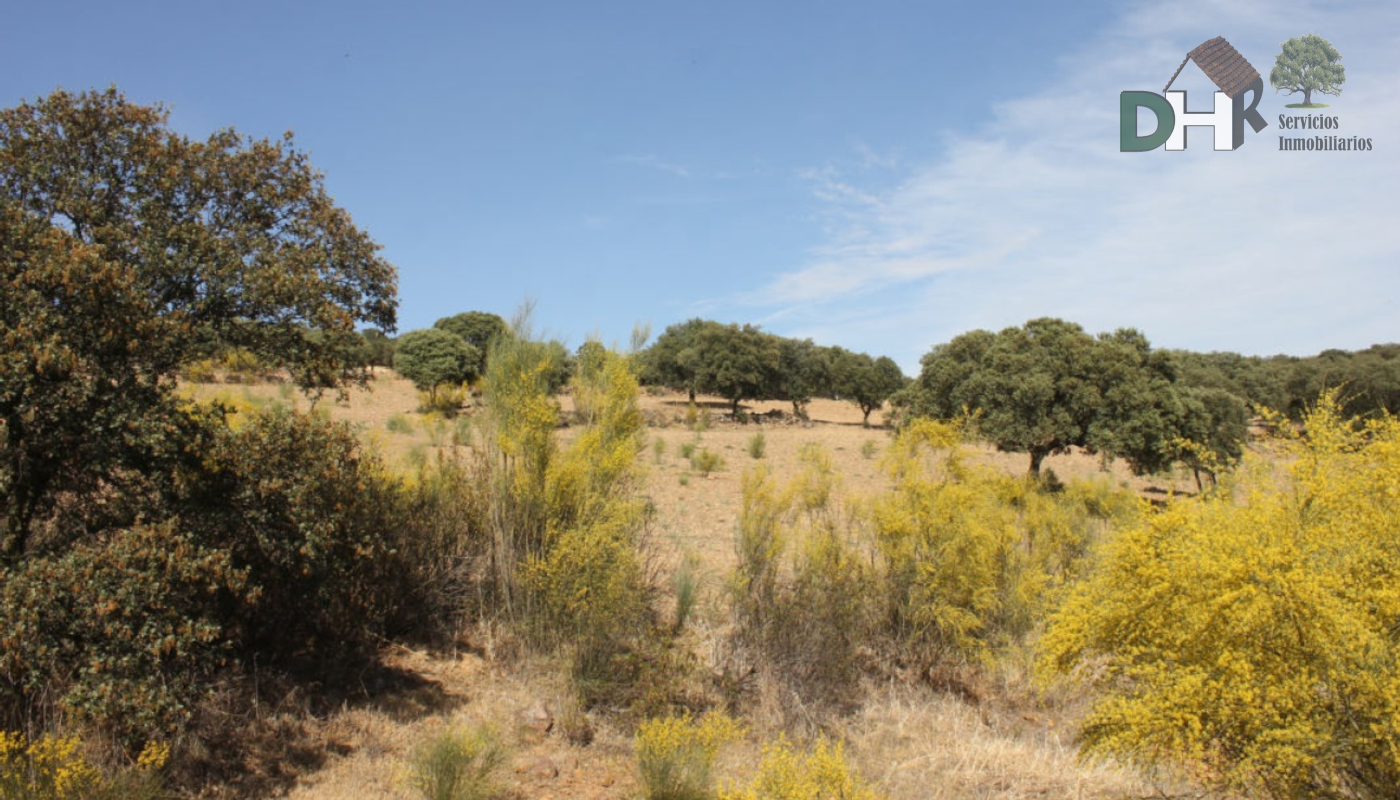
(706, 461)
(804, 595)
(457, 764)
(758, 445)
(687, 589)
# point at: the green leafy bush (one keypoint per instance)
(297, 505)
(125, 632)
(279, 545)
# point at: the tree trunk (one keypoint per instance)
(734, 406)
(12, 545)
(28, 484)
(1307, 97)
(18, 516)
(867, 409)
(1037, 455)
(692, 395)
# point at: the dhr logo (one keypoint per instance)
(1230, 72)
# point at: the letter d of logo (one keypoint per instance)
(1128, 104)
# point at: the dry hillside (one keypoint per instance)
(997, 738)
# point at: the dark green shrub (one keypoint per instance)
(310, 518)
(124, 632)
(278, 546)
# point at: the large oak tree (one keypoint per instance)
(1048, 386)
(128, 249)
(736, 362)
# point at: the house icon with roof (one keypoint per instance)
(1231, 73)
(1225, 67)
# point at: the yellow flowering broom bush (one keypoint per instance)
(676, 755)
(787, 774)
(1253, 636)
(53, 768)
(973, 559)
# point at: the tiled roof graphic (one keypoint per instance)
(1223, 64)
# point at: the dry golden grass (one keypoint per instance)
(917, 744)
(914, 743)
(377, 741)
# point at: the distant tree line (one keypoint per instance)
(1368, 380)
(743, 363)
(737, 362)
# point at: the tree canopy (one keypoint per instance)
(805, 371)
(1212, 432)
(742, 362)
(672, 360)
(1368, 380)
(1048, 386)
(127, 250)
(868, 382)
(478, 329)
(736, 362)
(376, 348)
(1308, 64)
(433, 357)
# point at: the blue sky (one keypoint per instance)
(882, 176)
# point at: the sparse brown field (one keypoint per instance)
(913, 742)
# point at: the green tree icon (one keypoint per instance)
(1308, 64)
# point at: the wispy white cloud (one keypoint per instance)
(1038, 213)
(655, 162)
(871, 158)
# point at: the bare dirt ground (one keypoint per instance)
(912, 742)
